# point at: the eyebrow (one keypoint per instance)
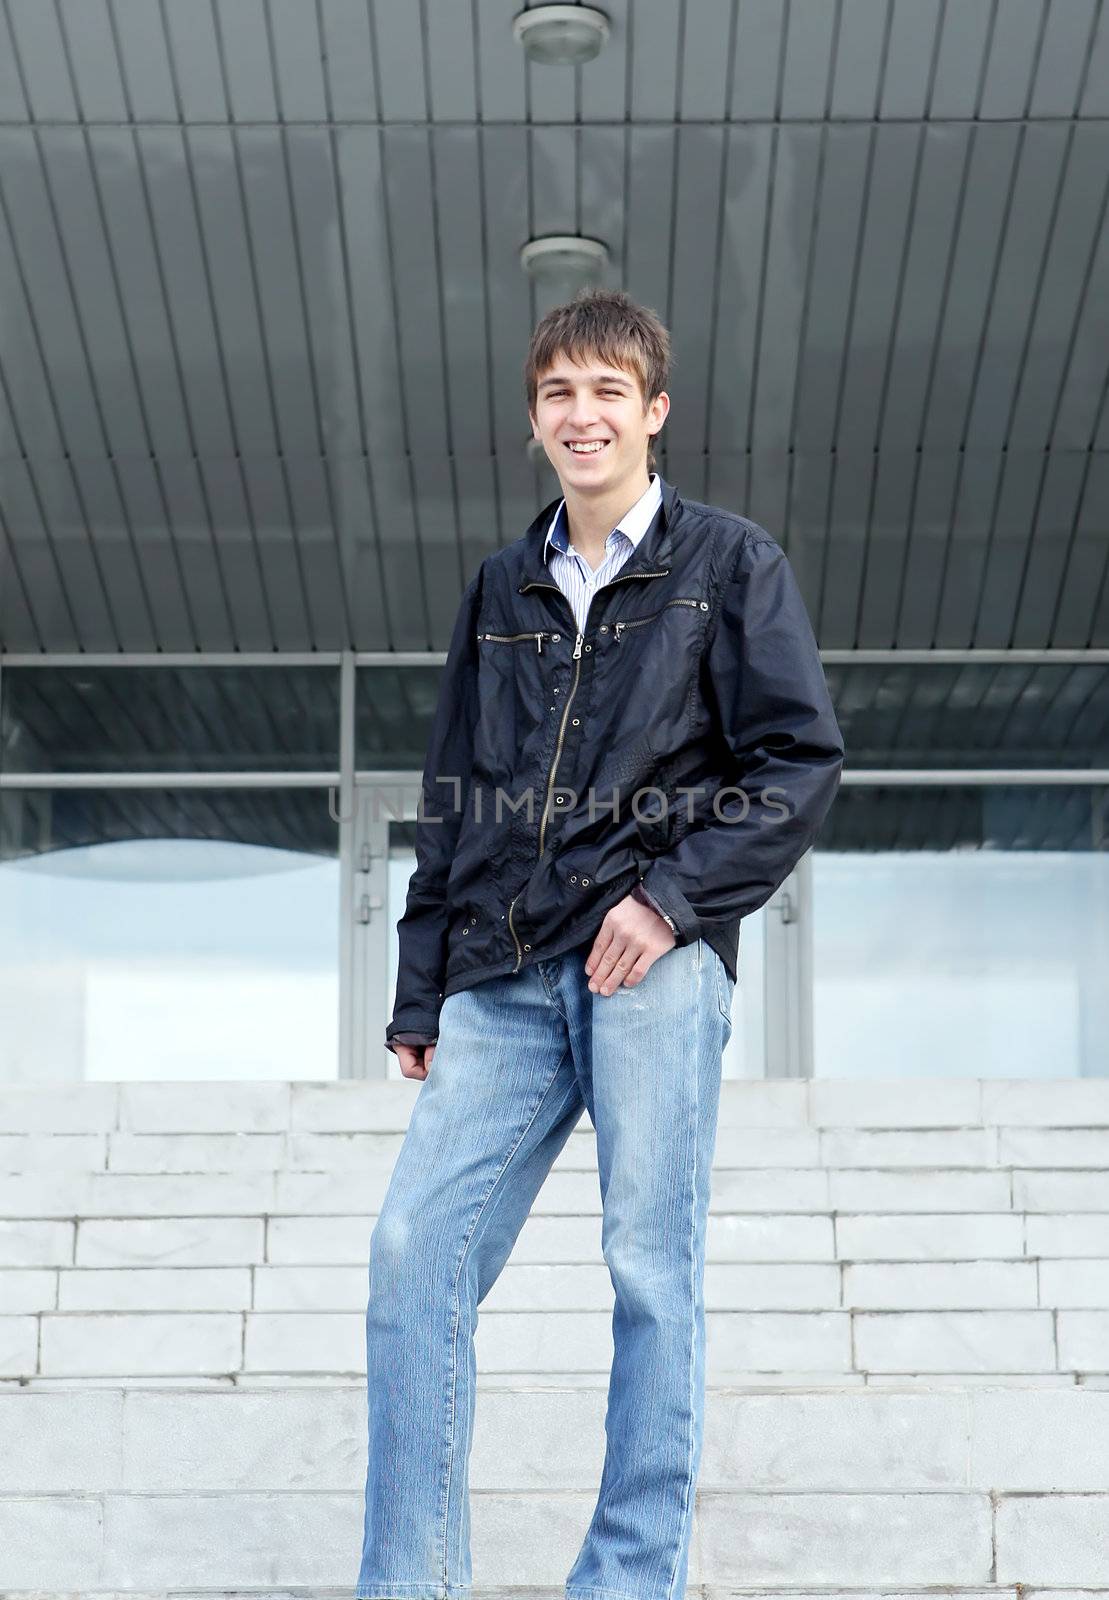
(605, 378)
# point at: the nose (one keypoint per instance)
(583, 412)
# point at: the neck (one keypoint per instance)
(590, 518)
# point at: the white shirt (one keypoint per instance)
(569, 567)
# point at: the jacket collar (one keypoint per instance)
(651, 556)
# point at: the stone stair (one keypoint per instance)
(907, 1306)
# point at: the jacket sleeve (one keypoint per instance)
(766, 690)
(445, 788)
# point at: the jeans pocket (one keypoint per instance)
(725, 987)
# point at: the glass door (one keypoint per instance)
(376, 903)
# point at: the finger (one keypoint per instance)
(411, 1060)
(620, 970)
(613, 970)
(601, 945)
(605, 963)
(640, 970)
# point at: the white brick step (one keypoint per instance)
(765, 1381)
(705, 1591)
(538, 1285)
(179, 1491)
(771, 1343)
(309, 1106)
(344, 1187)
(369, 1149)
(1071, 1250)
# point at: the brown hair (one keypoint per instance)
(607, 324)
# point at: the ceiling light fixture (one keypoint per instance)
(561, 35)
(564, 258)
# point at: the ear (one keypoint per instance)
(659, 410)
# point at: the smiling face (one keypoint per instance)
(591, 420)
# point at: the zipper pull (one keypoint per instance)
(539, 644)
(616, 626)
(578, 645)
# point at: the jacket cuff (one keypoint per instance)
(671, 902)
(408, 1038)
(413, 1021)
(639, 893)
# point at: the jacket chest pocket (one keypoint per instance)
(646, 674)
(514, 669)
(621, 628)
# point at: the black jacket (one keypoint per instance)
(698, 668)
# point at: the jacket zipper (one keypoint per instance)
(507, 638)
(512, 930)
(637, 622)
(558, 747)
(579, 639)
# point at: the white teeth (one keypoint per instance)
(588, 449)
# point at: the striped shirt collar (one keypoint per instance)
(633, 524)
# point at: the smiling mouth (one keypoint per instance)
(595, 448)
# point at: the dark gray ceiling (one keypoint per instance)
(262, 321)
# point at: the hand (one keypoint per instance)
(628, 943)
(415, 1059)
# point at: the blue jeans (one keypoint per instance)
(517, 1058)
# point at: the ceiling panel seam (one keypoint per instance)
(398, 355)
(444, 351)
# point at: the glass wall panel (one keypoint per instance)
(150, 934)
(169, 719)
(394, 707)
(973, 714)
(969, 714)
(962, 933)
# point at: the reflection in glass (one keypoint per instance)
(973, 714)
(169, 719)
(168, 935)
(393, 712)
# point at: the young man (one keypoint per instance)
(632, 748)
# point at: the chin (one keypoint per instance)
(584, 482)
(587, 473)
